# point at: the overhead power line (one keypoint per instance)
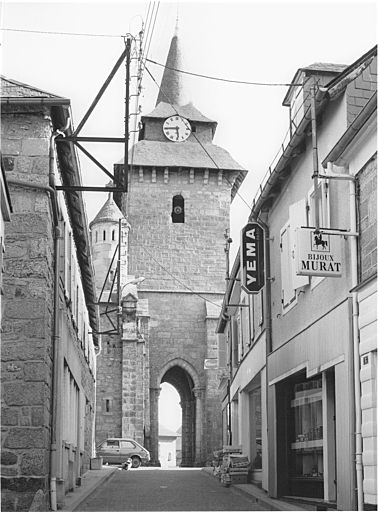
(242, 82)
(173, 276)
(60, 33)
(220, 79)
(196, 138)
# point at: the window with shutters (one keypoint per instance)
(221, 345)
(240, 335)
(245, 325)
(323, 213)
(69, 266)
(288, 292)
(234, 342)
(290, 281)
(71, 407)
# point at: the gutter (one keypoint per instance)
(49, 102)
(321, 100)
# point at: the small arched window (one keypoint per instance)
(177, 213)
(95, 236)
(113, 234)
(104, 235)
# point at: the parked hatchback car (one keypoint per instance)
(116, 450)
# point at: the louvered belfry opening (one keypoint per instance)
(177, 213)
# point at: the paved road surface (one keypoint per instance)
(154, 489)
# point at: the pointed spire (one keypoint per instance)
(172, 86)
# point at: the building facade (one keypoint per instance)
(299, 386)
(49, 321)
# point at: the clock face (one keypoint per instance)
(177, 128)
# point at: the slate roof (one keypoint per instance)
(166, 432)
(325, 67)
(13, 89)
(164, 110)
(109, 212)
(186, 154)
(172, 88)
(322, 68)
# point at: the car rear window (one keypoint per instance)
(113, 444)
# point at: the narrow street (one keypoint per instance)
(160, 489)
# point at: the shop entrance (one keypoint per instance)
(306, 436)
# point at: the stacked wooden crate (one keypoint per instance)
(235, 466)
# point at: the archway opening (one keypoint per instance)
(170, 423)
(183, 383)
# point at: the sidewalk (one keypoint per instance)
(90, 481)
(260, 497)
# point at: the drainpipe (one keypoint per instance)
(356, 356)
(56, 337)
(268, 321)
(357, 384)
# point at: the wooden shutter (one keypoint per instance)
(298, 218)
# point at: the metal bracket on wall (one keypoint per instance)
(119, 185)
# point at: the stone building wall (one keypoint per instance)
(27, 321)
(184, 267)
(368, 214)
(27, 336)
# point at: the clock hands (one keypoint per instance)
(174, 128)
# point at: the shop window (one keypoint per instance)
(256, 428)
(177, 213)
(307, 442)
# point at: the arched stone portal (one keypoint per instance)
(183, 377)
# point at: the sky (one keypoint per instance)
(263, 43)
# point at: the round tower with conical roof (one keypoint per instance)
(106, 228)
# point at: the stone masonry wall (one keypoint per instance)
(27, 321)
(109, 386)
(26, 349)
(181, 262)
(192, 251)
(367, 197)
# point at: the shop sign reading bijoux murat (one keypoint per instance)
(317, 253)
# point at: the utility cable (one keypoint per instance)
(217, 167)
(172, 275)
(60, 33)
(221, 79)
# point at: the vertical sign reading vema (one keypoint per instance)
(252, 258)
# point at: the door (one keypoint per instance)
(128, 449)
(110, 451)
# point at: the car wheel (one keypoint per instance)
(136, 462)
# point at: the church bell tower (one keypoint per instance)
(181, 188)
